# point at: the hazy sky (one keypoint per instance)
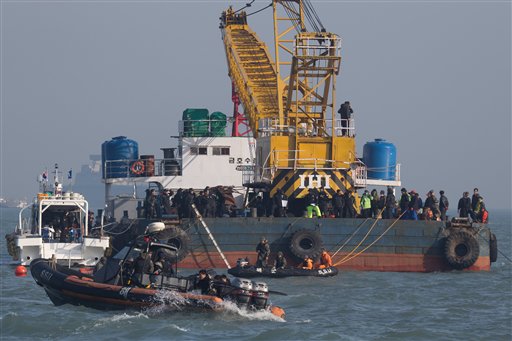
(433, 77)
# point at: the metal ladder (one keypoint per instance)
(210, 235)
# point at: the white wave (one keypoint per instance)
(232, 308)
(9, 314)
(125, 317)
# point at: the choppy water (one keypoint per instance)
(352, 306)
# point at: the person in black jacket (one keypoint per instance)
(277, 203)
(390, 205)
(443, 205)
(345, 112)
(349, 209)
(464, 206)
(203, 282)
(338, 202)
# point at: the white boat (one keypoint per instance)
(57, 225)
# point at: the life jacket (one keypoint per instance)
(366, 201)
(326, 259)
(308, 264)
(485, 216)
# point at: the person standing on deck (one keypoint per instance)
(474, 199)
(338, 202)
(464, 206)
(443, 205)
(345, 112)
(390, 205)
(414, 206)
(277, 203)
(263, 250)
(366, 204)
(405, 199)
(349, 210)
(312, 204)
(375, 201)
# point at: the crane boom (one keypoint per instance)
(300, 142)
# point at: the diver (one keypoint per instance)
(280, 261)
(263, 250)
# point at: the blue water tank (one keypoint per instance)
(380, 159)
(116, 156)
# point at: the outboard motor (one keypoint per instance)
(243, 292)
(259, 295)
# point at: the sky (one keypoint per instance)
(432, 77)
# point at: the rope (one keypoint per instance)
(349, 238)
(364, 238)
(124, 231)
(348, 257)
(260, 10)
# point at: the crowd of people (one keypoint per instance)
(219, 202)
(387, 206)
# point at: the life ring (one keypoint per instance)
(138, 167)
(176, 237)
(461, 250)
(493, 248)
(306, 243)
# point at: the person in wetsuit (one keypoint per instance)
(263, 250)
(280, 261)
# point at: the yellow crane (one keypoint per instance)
(289, 100)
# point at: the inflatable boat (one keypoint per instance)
(252, 271)
(114, 286)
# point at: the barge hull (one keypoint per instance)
(356, 244)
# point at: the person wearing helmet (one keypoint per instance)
(280, 261)
(263, 250)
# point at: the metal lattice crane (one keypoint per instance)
(289, 100)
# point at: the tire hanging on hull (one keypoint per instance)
(176, 237)
(306, 243)
(493, 248)
(461, 250)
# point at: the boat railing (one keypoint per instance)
(282, 160)
(24, 224)
(360, 175)
(202, 128)
(142, 167)
(272, 126)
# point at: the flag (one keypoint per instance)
(70, 174)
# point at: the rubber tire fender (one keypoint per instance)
(177, 237)
(306, 243)
(461, 250)
(493, 248)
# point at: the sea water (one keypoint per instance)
(456, 305)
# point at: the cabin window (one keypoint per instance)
(220, 150)
(198, 150)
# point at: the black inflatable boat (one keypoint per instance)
(252, 271)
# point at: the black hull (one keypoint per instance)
(252, 271)
(66, 286)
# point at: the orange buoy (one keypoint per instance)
(20, 271)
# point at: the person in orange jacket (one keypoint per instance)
(308, 263)
(325, 260)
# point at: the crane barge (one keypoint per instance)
(288, 139)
